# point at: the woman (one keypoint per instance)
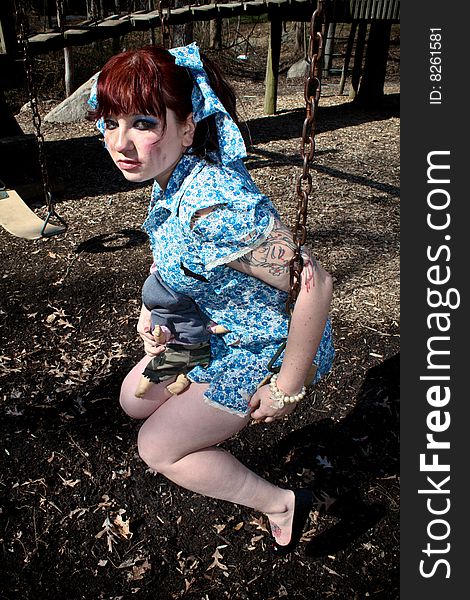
(168, 116)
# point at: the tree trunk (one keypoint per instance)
(182, 34)
(371, 87)
(215, 32)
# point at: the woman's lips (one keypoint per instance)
(127, 165)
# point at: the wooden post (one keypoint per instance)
(358, 54)
(68, 61)
(215, 32)
(371, 88)
(272, 67)
(329, 49)
(347, 57)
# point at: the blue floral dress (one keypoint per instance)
(192, 258)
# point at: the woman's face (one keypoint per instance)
(142, 150)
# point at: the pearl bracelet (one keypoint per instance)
(280, 398)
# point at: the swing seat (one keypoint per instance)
(18, 219)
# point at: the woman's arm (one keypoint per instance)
(270, 263)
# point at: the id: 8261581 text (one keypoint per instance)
(435, 65)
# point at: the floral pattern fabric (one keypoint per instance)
(206, 103)
(192, 256)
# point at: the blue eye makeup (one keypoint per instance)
(146, 122)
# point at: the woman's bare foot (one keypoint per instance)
(281, 522)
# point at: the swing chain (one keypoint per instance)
(304, 183)
(33, 101)
(312, 90)
(23, 32)
(167, 38)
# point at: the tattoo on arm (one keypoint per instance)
(309, 272)
(274, 254)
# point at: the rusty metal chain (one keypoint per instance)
(312, 91)
(167, 38)
(23, 32)
(304, 184)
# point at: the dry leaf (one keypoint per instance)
(138, 571)
(324, 462)
(77, 511)
(326, 501)
(111, 537)
(122, 525)
(216, 563)
(259, 523)
(69, 482)
(256, 538)
(331, 571)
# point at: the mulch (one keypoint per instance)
(81, 515)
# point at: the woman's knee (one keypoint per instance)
(135, 407)
(153, 451)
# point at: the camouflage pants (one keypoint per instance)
(177, 359)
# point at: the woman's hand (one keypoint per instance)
(144, 326)
(262, 409)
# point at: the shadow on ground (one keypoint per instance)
(361, 448)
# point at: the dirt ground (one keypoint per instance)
(81, 516)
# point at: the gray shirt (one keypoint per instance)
(176, 311)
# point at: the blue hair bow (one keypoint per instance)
(206, 103)
(93, 104)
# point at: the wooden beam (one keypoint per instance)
(285, 10)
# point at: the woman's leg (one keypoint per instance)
(179, 440)
(141, 408)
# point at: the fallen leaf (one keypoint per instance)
(122, 525)
(331, 571)
(138, 571)
(216, 562)
(69, 482)
(324, 462)
(256, 538)
(259, 523)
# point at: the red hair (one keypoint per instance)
(147, 81)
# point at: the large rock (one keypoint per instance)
(75, 107)
(298, 69)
